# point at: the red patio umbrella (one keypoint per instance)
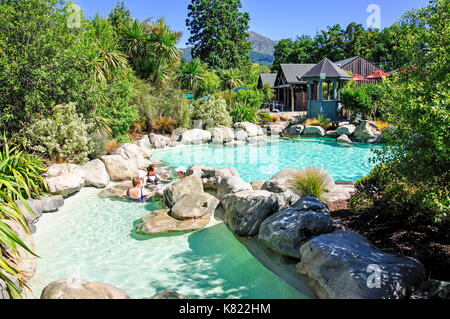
(357, 77)
(378, 74)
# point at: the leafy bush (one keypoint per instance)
(311, 182)
(20, 179)
(99, 141)
(62, 137)
(163, 124)
(253, 98)
(243, 112)
(364, 99)
(265, 118)
(213, 111)
(382, 125)
(321, 121)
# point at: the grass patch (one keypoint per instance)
(311, 182)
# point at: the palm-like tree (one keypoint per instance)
(190, 75)
(155, 69)
(231, 79)
(133, 39)
(163, 41)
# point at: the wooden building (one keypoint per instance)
(325, 99)
(290, 90)
(267, 78)
(359, 65)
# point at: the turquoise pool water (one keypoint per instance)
(92, 239)
(253, 162)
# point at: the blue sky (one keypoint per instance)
(276, 19)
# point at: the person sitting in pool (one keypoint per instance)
(286, 138)
(181, 172)
(137, 192)
(153, 179)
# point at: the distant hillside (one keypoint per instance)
(262, 53)
(262, 44)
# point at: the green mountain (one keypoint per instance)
(262, 49)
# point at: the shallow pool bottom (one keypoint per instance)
(93, 239)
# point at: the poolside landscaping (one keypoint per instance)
(130, 170)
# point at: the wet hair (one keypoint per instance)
(151, 168)
(136, 181)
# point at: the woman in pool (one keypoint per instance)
(137, 193)
(153, 179)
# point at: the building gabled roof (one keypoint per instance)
(329, 68)
(294, 72)
(268, 78)
(343, 63)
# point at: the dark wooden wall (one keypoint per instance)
(363, 67)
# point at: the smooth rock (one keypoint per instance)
(132, 152)
(46, 204)
(367, 130)
(312, 203)
(222, 134)
(344, 139)
(174, 191)
(346, 130)
(230, 185)
(345, 265)
(160, 222)
(295, 130)
(116, 190)
(257, 185)
(195, 136)
(119, 168)
(158, 141)
(235, 143)
(432, 289)
(64, 179)
(314, 131)
(145, 146)
(241, 135)
(331, 134)
(96, 174)
(260, 140)
(274, 129)
(245, 211)
(211, 177)
(195, 205)
(250, 128)
(177, 134)
(285, 231)
(73, 288)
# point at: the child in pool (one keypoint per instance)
(153, 179)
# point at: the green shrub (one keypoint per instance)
(364, 99)
(243, 112)
(214, 111)
(62, 137)
(311, 182)
(265, 118)
(99, 141)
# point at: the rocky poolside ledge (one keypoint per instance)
(294, 237)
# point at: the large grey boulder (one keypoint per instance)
(120, 169)
(344, 139)
(260, 140)
(432, 289)
(345, 265)
(64, 179)
(274, 129)
(222, 134)
(312, 203)
(236, 143)
(367, 130)
(346, 130)
(196, 136)
(314, 131)
(174, 191)
(331, 134)
(257, 185)
(145, 146)
(294, 130)
(246, 210)
(74, 288)
(211, 177)
(96, 174)
(46, 204)
(230, 185)
(241, 135)
(158, 141)
(195, 205)
(160, 222)
(177, 133)
(116, 190)
(250, 128)
(285, 231)
(132, 152)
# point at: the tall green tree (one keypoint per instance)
(120, 16)
(190, 75)
(219, 33)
